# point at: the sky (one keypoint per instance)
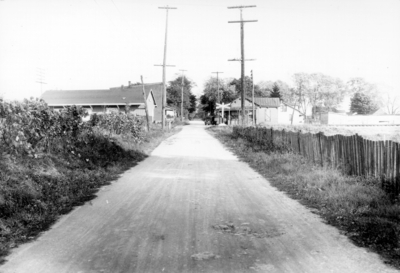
(98, 44)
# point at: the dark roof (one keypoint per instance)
(237, 105)
(113, 96)
(268, 102)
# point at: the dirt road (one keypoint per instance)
(191, 207)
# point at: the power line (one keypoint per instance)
(40, 73)
(102, 11)
(183, 71)
(164, 95)
(218, 72)
(242, 60)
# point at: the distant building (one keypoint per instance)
(118, 99)
(267, 111)
(331, 118)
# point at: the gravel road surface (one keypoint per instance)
(191, 207)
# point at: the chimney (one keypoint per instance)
(129, 84)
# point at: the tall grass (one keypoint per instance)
(34, 192)
(358, 206)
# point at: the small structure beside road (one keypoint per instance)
(267, 111)
(118, 99)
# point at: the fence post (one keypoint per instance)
(383, 172)
(397, 167)
(298, 141)
(320, 149)
(272, 135)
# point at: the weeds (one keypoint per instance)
(357, 206)
(34, 192)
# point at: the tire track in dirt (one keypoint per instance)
(192, 207)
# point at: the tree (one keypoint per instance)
(266, 87)
(365, 96)
(174, 96)
(359, 85)
(312, 91)
(389, 100)
(324, 91)
(362, 104)
(248, 87)
(207, 104)
(209, 98)
(275, 91)
(391, 103)
(297, 96)
(193, 101)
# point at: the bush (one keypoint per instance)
(30, 127)
(119, 124)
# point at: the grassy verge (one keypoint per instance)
(34, 192)
(357, 206)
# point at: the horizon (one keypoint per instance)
(98, 44)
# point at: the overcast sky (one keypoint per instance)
(98, 44)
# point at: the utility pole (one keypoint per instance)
(145, 105)
(182, 95)
(40, 74)
(218, 99)
(164, 95)
(241, 21)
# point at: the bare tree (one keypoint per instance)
(391, 103)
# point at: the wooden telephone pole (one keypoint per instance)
(182, 95)
(145, 105)
(242, 80)
(164, 94)
(218, 99)
(40, 74)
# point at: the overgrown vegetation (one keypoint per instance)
(52, 161)
(357, 206)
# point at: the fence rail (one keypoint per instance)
(352, 154)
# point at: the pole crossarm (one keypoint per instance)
(242, 59)
(239, 60)
(183, 71)
(164, 65)
(243, 21)
(242, 7)
(217, 72)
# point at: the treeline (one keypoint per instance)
(174, 96)
(308, 93)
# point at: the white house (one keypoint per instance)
(267, 111)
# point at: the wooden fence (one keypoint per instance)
(352, 154)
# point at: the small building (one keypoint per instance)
(267, 111)
(119, 99)
(235, 110)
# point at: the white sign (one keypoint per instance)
(223, 106)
